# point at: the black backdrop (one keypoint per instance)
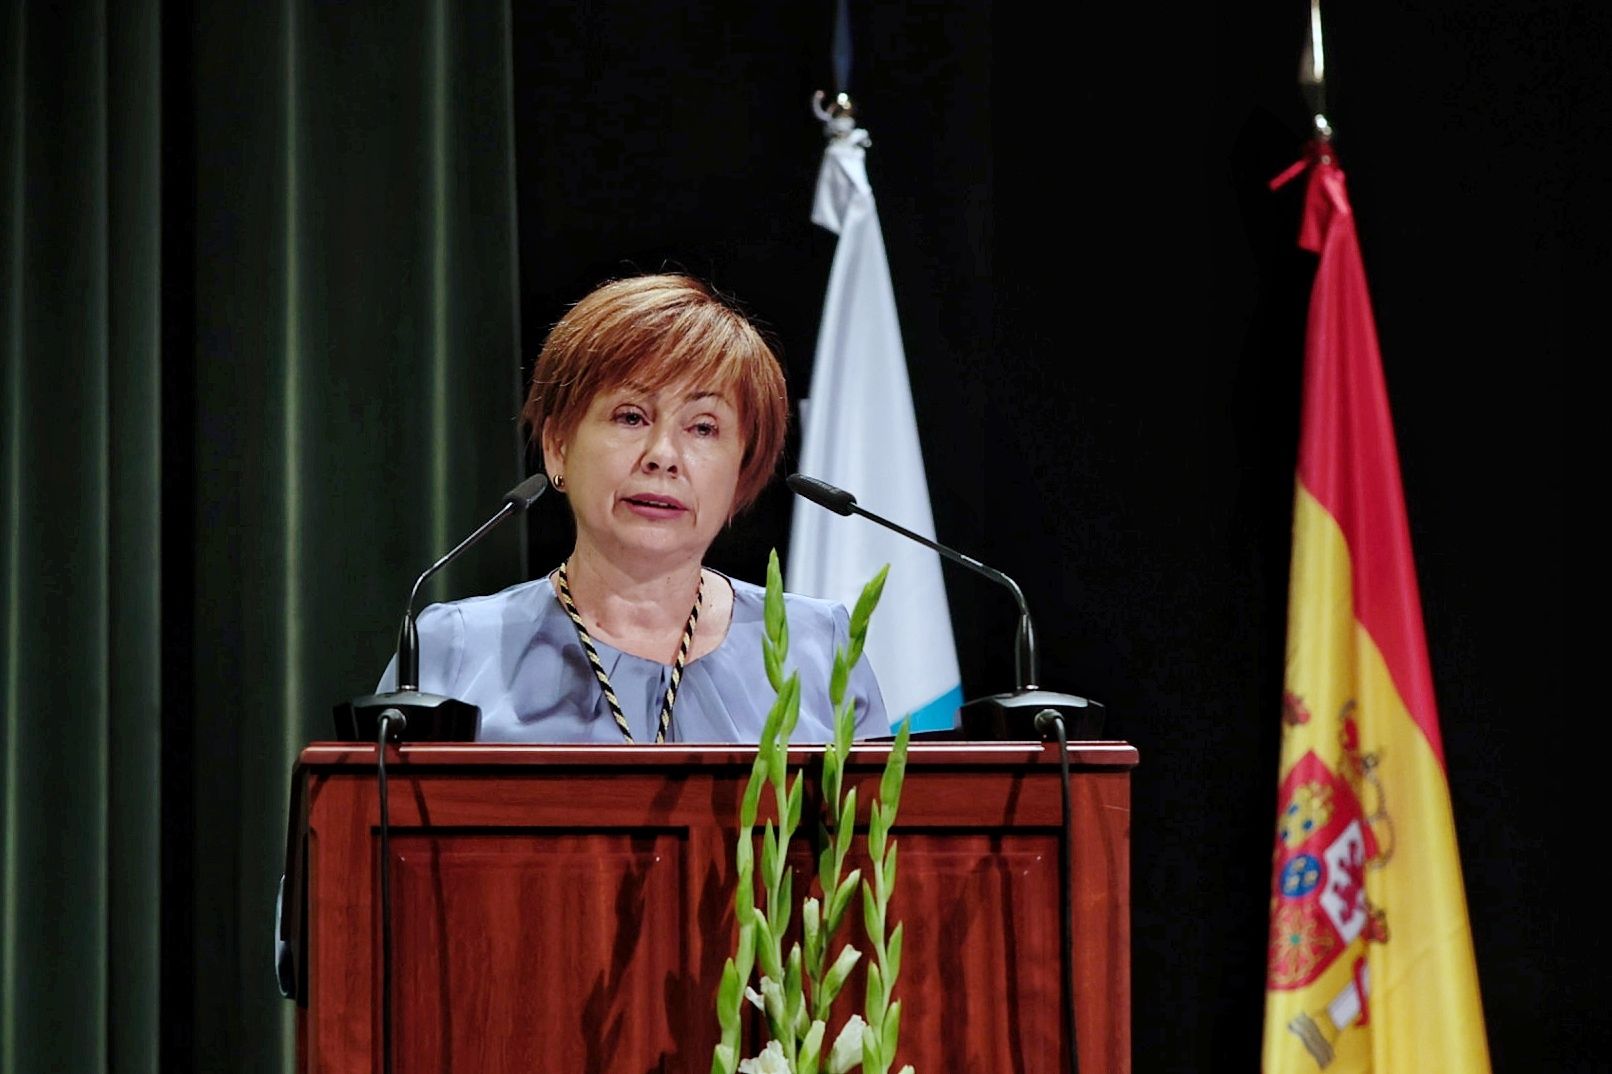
(1103, 307)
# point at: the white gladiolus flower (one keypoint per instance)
(847, 1050)
(754, 997)
(770, 1061)
(772, 999)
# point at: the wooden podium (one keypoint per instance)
(569, 908)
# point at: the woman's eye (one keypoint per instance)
(630, 418)
(704, 428)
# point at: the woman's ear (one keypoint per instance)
(553, 450)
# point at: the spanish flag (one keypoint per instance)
(1370, 964)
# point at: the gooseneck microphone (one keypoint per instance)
(1006, 715)
(415, 715)
(516, 499)
(843, 503)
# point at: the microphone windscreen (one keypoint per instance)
(526, 493)
(821, 493)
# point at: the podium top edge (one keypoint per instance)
(1094, 754)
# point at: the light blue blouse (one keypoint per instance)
(515, 655)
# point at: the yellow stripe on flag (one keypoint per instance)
(1370, 962)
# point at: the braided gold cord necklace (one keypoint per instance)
(604, 679)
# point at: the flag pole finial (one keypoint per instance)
(839, 119)
(1312, 76)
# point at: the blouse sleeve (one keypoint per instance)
(441, 628)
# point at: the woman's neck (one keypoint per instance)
(639, 611)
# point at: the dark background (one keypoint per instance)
(1103, 308)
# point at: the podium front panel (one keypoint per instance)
(570, 908)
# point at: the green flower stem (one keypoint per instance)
(784, 1004)
(883, 1010)
(797, 990)
(841, 805)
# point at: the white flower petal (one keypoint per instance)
(847, 1051)
(770, 1061)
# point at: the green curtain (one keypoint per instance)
(262, 364)
(80, 281)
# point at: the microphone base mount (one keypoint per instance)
(427, 717)
(1012, 716)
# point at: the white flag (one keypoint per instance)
(860, 434)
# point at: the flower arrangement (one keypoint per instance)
(796, 990)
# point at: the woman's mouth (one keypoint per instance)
(651, 505)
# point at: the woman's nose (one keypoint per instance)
(661, 452)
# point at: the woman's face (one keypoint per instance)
(652, 475)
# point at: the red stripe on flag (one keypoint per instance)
(1347, 455)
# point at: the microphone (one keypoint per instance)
(428, 717)
(518, 498)
(998, 716)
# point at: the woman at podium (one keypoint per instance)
(660, 411)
